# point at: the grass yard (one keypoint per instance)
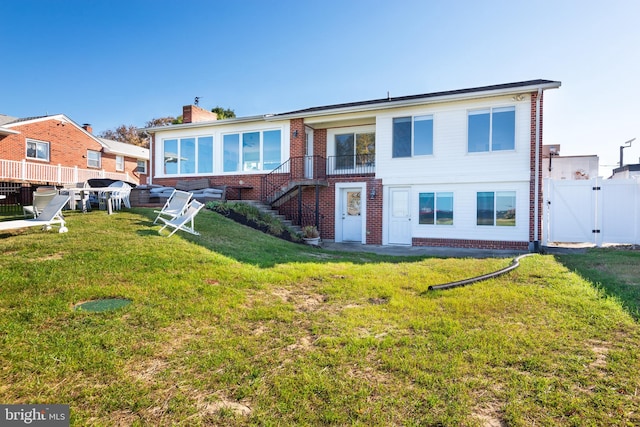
(239, 328)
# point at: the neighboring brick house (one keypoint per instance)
(54, 150)
(459, 168)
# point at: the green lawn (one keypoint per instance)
(238, 328)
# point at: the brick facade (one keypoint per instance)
(68, 146)
(532, 184)
(473, 244)
(194, 114)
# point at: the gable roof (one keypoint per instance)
(16, 122)
(121, 148)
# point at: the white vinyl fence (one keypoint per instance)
(597, 211)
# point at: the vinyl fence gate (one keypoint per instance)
(597, 211)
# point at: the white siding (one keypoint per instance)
(450, 161)
(452, 169)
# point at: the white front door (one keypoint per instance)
(351, 215)
(308, 155)
(399, 217)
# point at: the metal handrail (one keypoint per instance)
(358, 164)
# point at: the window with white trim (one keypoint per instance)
(94, 159)
(141, 167)
(496, 208)
(184, 156)
(119, 163)
(435, 208)
(37, 150)
(492, 129)
(252, 151)
(412, 136)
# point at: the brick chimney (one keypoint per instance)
(194, 114)
(87, 127)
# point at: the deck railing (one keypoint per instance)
(359, 164)
(11, 170)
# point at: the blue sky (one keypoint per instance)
(113, 62)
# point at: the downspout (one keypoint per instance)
(536, 192)
(150, 171)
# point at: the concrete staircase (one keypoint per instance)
(264, 208)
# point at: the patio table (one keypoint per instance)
(106, 190)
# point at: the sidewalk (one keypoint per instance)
(420, 250)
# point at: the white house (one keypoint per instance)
(459, 168)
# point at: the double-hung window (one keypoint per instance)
(37, 150)
(119, 163)
(496, 208)
(436, 208)
(188, 155)
(492, 129)
(355, 149)
(94, 159)
(412, 136)
(252, 151)
(141, 166)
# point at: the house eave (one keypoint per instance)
(407, 101)
(6, 132)
(208, 123)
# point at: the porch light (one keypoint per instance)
(372, 194)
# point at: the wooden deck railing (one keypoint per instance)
(23, 171)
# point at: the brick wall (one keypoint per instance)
(67, 143)
(534, 97)
(473, 244)
(194, 114)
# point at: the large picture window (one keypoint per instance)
(496, 208)
(436, 208)
(188, 155)
(37, 150)
(412, 136)
(252, 151)
(491, 130)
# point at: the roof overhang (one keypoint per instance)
(5, 131)
(429, 98)
(208, 123)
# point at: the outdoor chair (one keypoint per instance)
(78, 200)
(120, 196)
(183, 221)
(175, 205)
(40, 200)
(50, 214)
